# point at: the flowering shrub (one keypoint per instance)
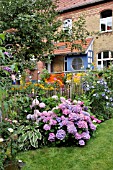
(98, 92)
(67, 122)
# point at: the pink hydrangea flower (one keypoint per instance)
(81, 142)
(66, 111)
(52, 122)
(78, 136)
(46, 127)
(71, 129)
(51, 137)
(82, 124)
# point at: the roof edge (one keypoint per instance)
(81, 6)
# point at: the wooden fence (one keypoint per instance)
(69, 91)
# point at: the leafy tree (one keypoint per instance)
(31, 27)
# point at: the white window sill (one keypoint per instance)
(106, 31)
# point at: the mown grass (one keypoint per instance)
(96, 155)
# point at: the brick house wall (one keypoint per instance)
(91, 14)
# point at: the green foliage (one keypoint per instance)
(31, 27)
(28, 135)
(8, 145)
(97, 89)
(34, 23)
(96, 155)
(44, 75)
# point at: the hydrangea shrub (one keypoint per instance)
(67, 123)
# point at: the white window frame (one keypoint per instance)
(67, 24)
(105, 21)
(103, 59)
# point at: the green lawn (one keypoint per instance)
(96, 155)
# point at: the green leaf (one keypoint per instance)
(2, 36)
(24, 137)
(38, 134)
(30, 134)
(33, 140)
(20, 129)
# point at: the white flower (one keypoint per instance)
(14, 121)
(94, 94)
(106, 97)
(20, 161)
(1, 139)
(55, 97)
(62, 99)
(75, 101)
(35, 102)
(10, 130)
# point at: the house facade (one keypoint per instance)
(99, 48)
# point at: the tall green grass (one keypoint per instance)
(96, 155)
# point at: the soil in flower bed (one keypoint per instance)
(11, 166)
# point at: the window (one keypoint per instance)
(106, 21)
(104, 59)
(67, 25)
(77, 63)
(65, 63)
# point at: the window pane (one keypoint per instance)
(103, 27)
(109, 23)
(77, 63)
(111, 54)
(99, 62)
(67, 24)
(99, 56)
(106, 54)
(107, 13)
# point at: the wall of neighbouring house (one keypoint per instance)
(92, 17)
(36, 73)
